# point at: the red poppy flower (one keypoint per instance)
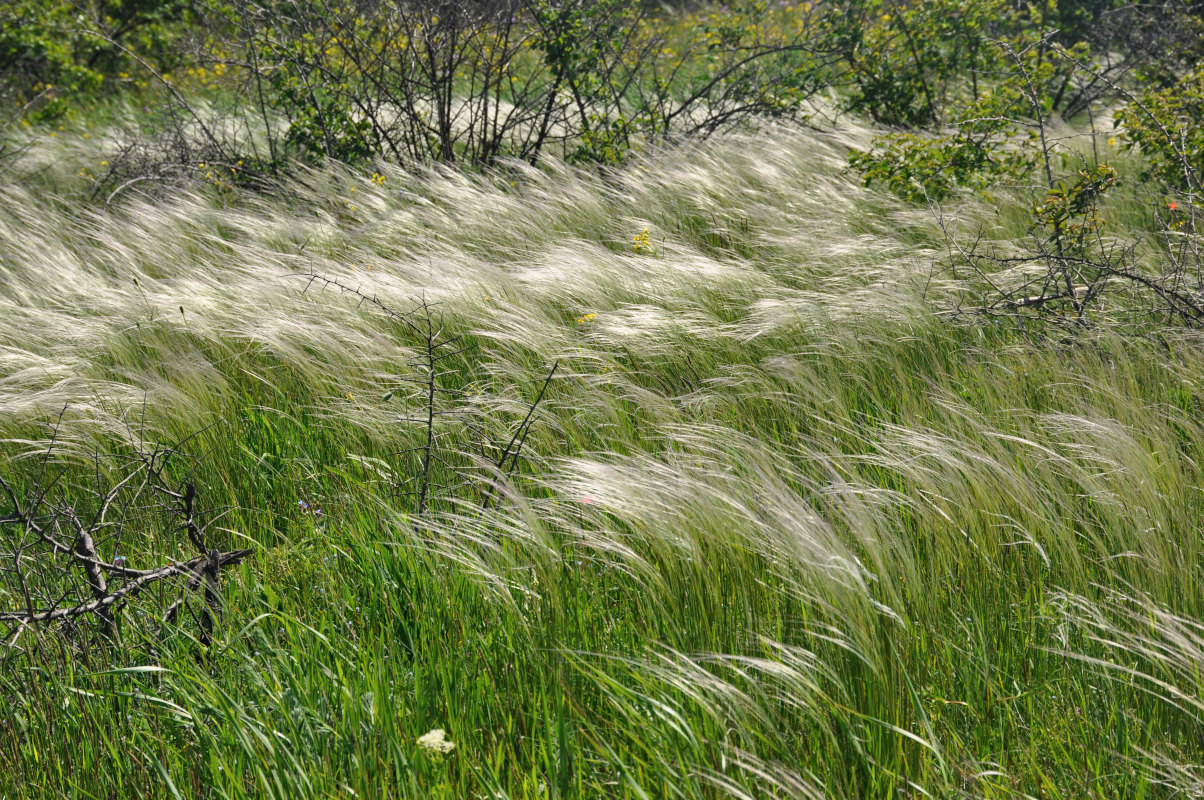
(1173, 206)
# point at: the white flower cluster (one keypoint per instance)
(436, 741)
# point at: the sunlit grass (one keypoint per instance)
(779, 532)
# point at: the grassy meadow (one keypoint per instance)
(780, 529)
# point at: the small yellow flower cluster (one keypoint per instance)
(585, 320)
(378, 179)
(205, 76)
(640, 243)
(212, 176)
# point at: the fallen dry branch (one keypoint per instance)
(62, 545)
(203, 565)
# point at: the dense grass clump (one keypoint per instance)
(780, 530)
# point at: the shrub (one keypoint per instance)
(460, 81)
(904, 62)
(53, 52)
(977, 152)
(1167, 126)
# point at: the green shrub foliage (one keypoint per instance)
(1167, 126)
(57, 52)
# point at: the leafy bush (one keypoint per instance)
(1156, 42)
(1167, 126)
(904, 62)
(53, 52)
(977, 152)
(38, 57)
(1071, 213)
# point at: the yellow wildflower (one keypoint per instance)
(640, 242)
